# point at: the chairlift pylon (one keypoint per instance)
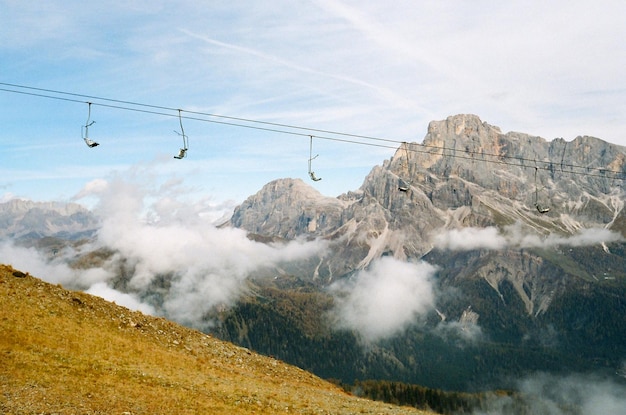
(540, 208)
(84, 130)
(311, 157)
(183, 151)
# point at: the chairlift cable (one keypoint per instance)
(496, 158)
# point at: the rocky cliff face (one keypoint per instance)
(466, 173)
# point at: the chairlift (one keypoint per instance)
(405, 185)
(311, 172)
(85, 130)
(181, 154)
(183, 151)
(540, 208)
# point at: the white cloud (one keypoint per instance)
(514, 236)
(54, 270)
(466, 239)
(456, 330)
(561, 395)
(165, 241)
(161, 234)
(101, 289)
(384, 299)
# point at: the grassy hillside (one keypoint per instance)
(67, 352)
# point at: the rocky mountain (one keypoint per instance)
(25, 220)
(466, 173)
(527, 236)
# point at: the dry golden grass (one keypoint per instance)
(66, 352)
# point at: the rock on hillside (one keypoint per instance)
(69, 352)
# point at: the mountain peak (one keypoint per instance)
(287, 208)
(459, 125)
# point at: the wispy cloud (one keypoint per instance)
(387, 94)
(356, 67)
(514, 236)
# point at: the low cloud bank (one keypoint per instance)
(459, 332)
(570, 395)
(384, 299)
(513, 236)
(206, 266)
(54, 270)
(166, 244)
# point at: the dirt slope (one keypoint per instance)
(66, 352)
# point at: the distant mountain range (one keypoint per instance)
(524, 241)
(25, 220)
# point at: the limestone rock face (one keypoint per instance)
(465, 173)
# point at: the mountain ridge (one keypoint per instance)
(448, 187)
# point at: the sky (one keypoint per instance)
(365, 68)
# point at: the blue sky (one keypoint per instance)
(373, 68)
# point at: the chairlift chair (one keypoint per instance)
(91, 143)
(405, 185)
(182, 153)
(311, 172)
(540, 208)
(85, 130)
